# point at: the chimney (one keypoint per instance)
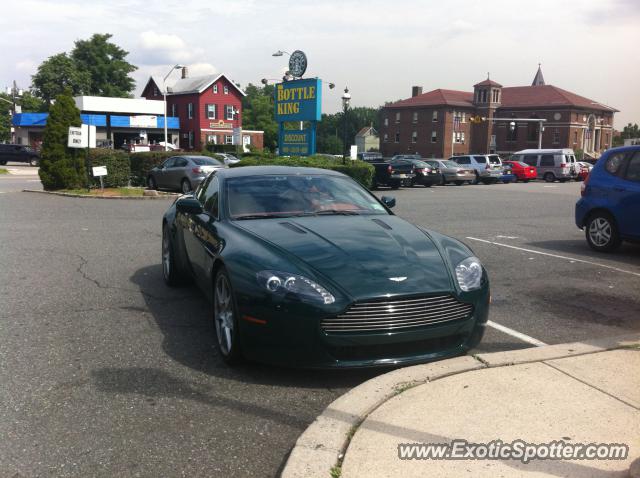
(185, 72)
(416, 90)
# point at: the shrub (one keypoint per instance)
(358, 170)
(61, 167)
(118, 167)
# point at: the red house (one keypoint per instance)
(209, 108)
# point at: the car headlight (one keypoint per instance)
(282, 283)
(469, 274)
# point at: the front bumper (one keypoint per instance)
(293, 340)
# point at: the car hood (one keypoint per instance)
(366, 256)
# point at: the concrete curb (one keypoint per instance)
(85, 196)
(322, 445)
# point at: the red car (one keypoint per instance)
(522, 171)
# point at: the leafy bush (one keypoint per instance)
(358, 170)
(61, 167)
(118, 168)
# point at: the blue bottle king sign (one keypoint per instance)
(298, 100)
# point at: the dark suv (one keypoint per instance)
(18, 153)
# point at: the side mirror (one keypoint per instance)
(189, 205)
(389, 201)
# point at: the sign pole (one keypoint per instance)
(87, 160)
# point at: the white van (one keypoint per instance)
(552, 164)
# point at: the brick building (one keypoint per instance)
(441, 122)
(209, 108)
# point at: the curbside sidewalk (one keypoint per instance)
(86, 196)
(320, 449)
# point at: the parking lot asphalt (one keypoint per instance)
(108, 372)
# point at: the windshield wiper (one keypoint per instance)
(262, 216)
(341, 212)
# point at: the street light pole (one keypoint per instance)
(164, 95)
(346, 98)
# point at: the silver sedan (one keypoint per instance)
(454, 173)
(182, 173)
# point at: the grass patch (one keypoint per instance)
(130, 192)
(4, 171)
(336, 472)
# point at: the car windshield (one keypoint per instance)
(206, 162)
(290, 195)
(450, 164)
(521, 164)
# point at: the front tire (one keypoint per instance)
(602, 233)
(151, 183)
(170, 272)
(225, 319)
(549, 177)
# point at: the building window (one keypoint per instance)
(556, 136)
(434, 116)
(496, 96)
(215, 88)
(228, 139)
(226, 89)
(434, 136)
(211, 111)
(173, 110)
(463, 117)
(512, 133)
(397, 136)
(156, 92)
(575, 137)
(386, 121)
(398, 117)
(458, 137)
(190, 139)
(386, 138)
(211, 139)
(228, 112)
(190, 110)
(414, 137)
(415, 117)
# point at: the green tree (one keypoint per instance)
(331, 128)
(258, 113)
(106, 65)
(61, 167)
(628, 132)
(57, 74)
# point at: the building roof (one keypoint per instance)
(367, 130)
(189, 85)
(512, 97)
(437, 97)
(546, 96)
(538, 80)
(488, 82)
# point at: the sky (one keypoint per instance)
(379, 49)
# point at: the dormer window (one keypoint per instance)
(226, 90)
(215, 88)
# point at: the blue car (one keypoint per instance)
(609, 210)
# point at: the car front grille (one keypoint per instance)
(392, 315)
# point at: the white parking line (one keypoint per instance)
(516, 334)
(571, 259)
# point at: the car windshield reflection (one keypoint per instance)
(277, 196)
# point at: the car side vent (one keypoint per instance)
(382, 224)
(293, 227)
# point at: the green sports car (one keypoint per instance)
(305, 267)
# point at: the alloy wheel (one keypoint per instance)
(186, 186)
(600, 232)
(223, 314)
(166, 254)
